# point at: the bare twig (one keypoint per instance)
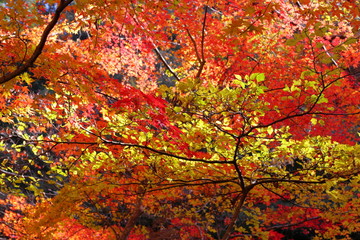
(163, 60)
(291, 224)
(331, 57)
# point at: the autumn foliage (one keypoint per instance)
(179, 119)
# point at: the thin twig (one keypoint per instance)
(163, 60)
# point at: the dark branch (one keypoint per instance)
(110, 142)
(165, 153)
(29, 63)
(241, 178)
(194, 43)
(291, 224)
(202, 60)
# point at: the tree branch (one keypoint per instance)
(291, 224)
(38, 50)
(134, 216)
(165, 153)
(163, 60)
(282, 197)
(110, 142)
(202, 60)
(240, 176)
(194, 43)
(157, 51)
(236, 213)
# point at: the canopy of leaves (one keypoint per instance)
(191, 119)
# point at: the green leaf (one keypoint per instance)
(261, 89)
(177, 109)
(286, 88)
(351, 41)
(260, 77)
(238, 77)
(240, 83)
(310, 84)
(306, 74)
(322, 99)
